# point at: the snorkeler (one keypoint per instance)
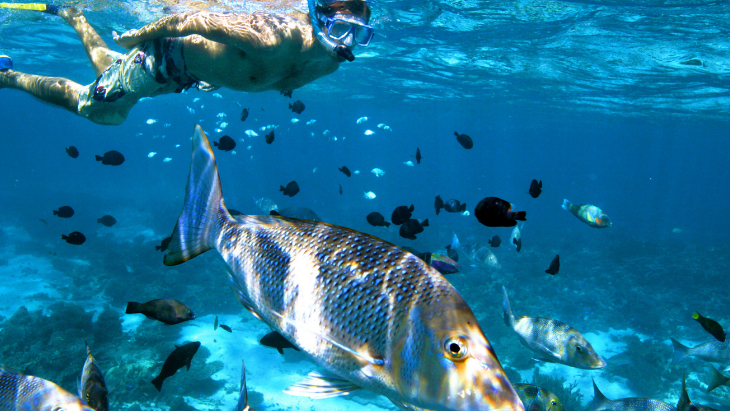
(249, 52)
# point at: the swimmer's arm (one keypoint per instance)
(232, 29)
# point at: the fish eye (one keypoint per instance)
(578, 348)
(455, 348)
(553, 402)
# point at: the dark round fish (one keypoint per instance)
(418, 155)
(244, 114)
(495, 241)
(111, 158)
(181, 357)
(72, 152)
(64, 212)
(226, 143)
(345, 171)
(276, 340)
(376, 219)
(297, 107)
(302, 213)
(164, 310)
(411, 227)
(75, 238)
(554, 265)
(495, 212)
(286, 93)
(107, 220)
(464, 140)
(535, 188)
(517, 243)
(454, 206)
(270, 137)
(291, 189)
(163, 244)
(401, 214)
(711, 326)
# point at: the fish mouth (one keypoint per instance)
(601, 363)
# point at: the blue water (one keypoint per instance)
(623, 105)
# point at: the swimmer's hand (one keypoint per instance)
(127, 39)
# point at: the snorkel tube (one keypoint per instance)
(341, 50)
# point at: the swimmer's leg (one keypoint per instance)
(55, 90)
(100, 55)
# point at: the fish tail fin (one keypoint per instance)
(204, 213)
(64, 237)
(98, 157)
(455, 242)
(716, 379)
(133, 308)
(55, 212)
(387, 224)
(424, 223)
(521, 215)
(680, 351)
(509, 319)
(463, 207)
(157, 382)
(281, 188)
(456, 133)
(599, 400)
(215, 144)
(566, 204)
(157, 248)
(243, 397)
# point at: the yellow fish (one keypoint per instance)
(373, 315)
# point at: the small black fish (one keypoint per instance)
(270, 137)
(401, 214)
(286, 93)
(495, 241)
(179, 358)
(291, 189)
(64, 212)
(495, 212)
(535, 188)
(454, 206)
(163, 244)
(438, 204)
(111, 158)
(226, 143)
(164, 310)
(453, 254)
(107, 220)
(554, 265)
(411, 227)
(518, 243)
(418, 155)
(376, 219)
(215, 323)
(711, 326)
(244, 114)
(464, 140)
(75, 238)
(297, 107)
(340, 188)
(42, 220)
(276, 340)
(72, 152)
(345, 171)
(227, 328)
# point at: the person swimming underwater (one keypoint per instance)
(249, 52)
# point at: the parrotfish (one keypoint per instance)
(92, 388)
(589, 214)
(372, 315)
(713, 351)
(536, 398)
(552, 340)
(481, 255)
(19, 392)
(180, 357)
(601, 403)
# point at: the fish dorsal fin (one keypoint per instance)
(370, 359)
(243, 398)
(318, 386)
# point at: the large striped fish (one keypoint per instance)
(19, 392)
(373, 315)
(92, 388)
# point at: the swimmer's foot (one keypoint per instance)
(6, 63)
(46, 8)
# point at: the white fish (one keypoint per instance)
(196, 99)
(151, 154)
(408, 163)
(251, 133)
(362, 120)
(294, 120)
(263, 128)
(324, 133)
(356, 172)
(515, 236)
(223, 124)
(378, 172)
(217, 130)
(384, 127)
(310, 122)
(202, 106)
(315, 170)
(151, 121)
(167, 160)
(167, 124)
(369, 132)
(217, 95)
(177, 145)
(221, 115)
(191, 110)
(369, 195)
(466, 213)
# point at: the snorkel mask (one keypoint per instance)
(338, 33)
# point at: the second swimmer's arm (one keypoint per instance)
(234, 29)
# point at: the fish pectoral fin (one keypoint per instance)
(318, 386)
(242, 298)
(281, 350)
(406, 407)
